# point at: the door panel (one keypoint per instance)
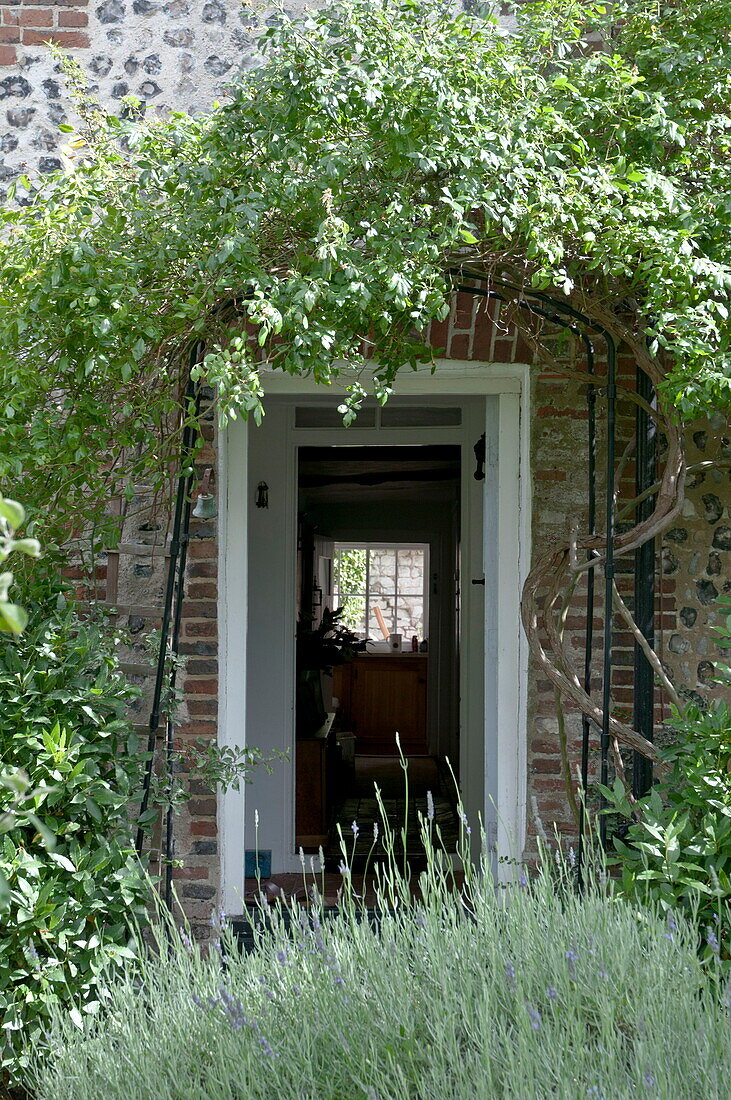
(387, 695)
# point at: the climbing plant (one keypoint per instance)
(351, 570)
(309, 224)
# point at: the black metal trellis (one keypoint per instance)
(589, 637)
(608, 576)
(166, 672)
(644, 586)
(568, 318)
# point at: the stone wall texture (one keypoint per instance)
(696, 560)
(179, 54)
(174, 55)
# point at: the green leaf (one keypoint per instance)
(43, 830)
(62, 861)
(17, 781)
(13, 512)
(12, 618)
(30, 547)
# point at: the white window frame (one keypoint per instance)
(347, 544)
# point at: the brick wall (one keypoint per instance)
(34, 22)
(196, 831)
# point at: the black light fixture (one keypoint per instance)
(480, 454)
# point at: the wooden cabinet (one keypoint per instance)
(312, 803)
(324, 774)
(381, 695)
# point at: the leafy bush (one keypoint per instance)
(74, 884)
(13, 619)
(454, 995)
(677, 848)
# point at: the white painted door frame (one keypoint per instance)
(497, 763)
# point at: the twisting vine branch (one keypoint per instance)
(647, 649)
(553, 570)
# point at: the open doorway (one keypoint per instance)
(377, 611)
(259, 576)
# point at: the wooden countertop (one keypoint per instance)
(394, 656)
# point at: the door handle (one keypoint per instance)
(480, 580)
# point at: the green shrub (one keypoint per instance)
(454, 996)
(74, 884)
(676, 852)
(13, 619)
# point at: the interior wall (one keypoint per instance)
(436, 523)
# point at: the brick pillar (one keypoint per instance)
(196, 827)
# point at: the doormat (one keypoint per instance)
(362, 844)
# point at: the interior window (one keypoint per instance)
(383, 588)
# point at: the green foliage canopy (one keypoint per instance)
(320, 209)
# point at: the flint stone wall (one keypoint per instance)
(173, 55)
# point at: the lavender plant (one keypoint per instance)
(450, 993)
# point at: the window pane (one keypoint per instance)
(405, 416)
(411, 572)
(319, 416)
(382, 567)
(393, 583)
(411, 618)
(349, 564)
(353, 609)
(350, 570)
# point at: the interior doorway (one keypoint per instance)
(378, 624)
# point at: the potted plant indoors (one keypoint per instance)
(319, 650)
